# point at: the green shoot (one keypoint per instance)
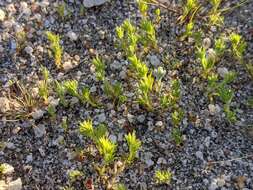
(158, 15)
(143, 7)
(60, 91)
(55, 47)
(75, 175)
(64, 123)
(215, 17)
(114, 91)
(133, 144)
(43, 86)
(145, 87)
(238, 45)
(139, 67)
(207, 62)
(87, 98)
(177, 136)
(177, 117)
(189, 9)
(61, 10)
(121, 187)
(148, 39)
(163, 177)
(220, 46)
(51, 111)
(107, 149)
(86, 128)
(99, 68)
(71, 87)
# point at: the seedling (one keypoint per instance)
(145, 87)
(220, 46)
(148, 39)
(163, 177)
(51, 111)
(158, 15)
(61, 10)
(60, 91)
(177, 117)
(86, 129)
(121, 187)
(143, 7)
(55, 47)
(160, 73)
(114, 91)
(44, 85)
(107, 149)
(64, 123)
(75, 175)
(189, 9)
(87, 98)
(177, 136)
(134, 145)
(71, 87)
(215, 17)
(207, 62)
(138, 67)
(238, 45)
(99, 68)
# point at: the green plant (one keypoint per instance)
(71, 87)
(220, 46)
(51, 110)
(87, 98)
(160, 73)
(215, 17)
(148, 38)
(99, 68)
(74, 175)
(64, 123)
(145, 87)
(207, 62)
(177, 117)
(138, 66)
(60, 91)
(163, 177)
(134, 145)
(177, 136)
(238, 45)
(189, 9)
(114, 91)
(121, 187)
(143, 7)
(2, 168)
(55, 47)
(107, 149)
(86, 128)
(61, 8)
(44, 85)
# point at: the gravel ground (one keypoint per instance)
(214, 155)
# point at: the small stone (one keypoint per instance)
(116, 65)
(113, 138)
(15, 185)
(2, 15)
(92, 3)
(154, 60)
(10, 145)
(212, 109)
(159, 124)
(68, 65)
(37, 114)
(213, 186)
(7, 169)
(141, 118)
(29, 50)
(222, 71)
(29, 158)
(207, 43)
(161, 161)
(39, 130)
(221, 182)
(130, 118)
(72, 36)
(101, 118)
(199, 155)
(4, 104)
